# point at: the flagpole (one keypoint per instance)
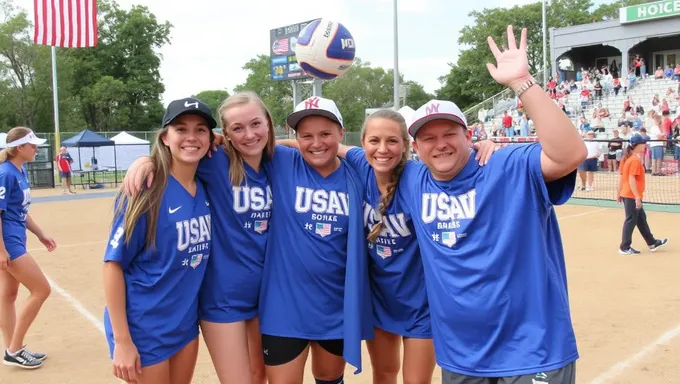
(55, 99)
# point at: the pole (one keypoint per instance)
(55, 100)
(396, 58)
(317, 87)
(545, 45)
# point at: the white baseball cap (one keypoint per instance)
(314, 106)
(436, 110)
(31, 138)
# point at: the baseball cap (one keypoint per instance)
(637, 139)
(314, 106)
(436, 110)
(186, 106)
(31, 138)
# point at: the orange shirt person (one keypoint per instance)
(630, 192)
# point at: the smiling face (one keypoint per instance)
(444, 147)
(247, 129)
(188, 138)
(319, 139)
(384, 144)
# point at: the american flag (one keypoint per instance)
(280, 46)
(384, 252)
(66, 23)
(323, 229)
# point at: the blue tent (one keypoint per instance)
(87, 138)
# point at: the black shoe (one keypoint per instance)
(629, 251)
(22, 359)
(657, 244)
(36, 355)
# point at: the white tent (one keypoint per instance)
(407, 112)
(128, 148)
(3, 139)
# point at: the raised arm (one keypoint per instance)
(562, 147)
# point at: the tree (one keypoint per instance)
(416, 95)
(361, 87)
(276, 95)
(468, 81)
(125, 56)
(213, 98)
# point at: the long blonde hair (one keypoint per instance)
(236, 170)
(15, 133)
(388, 196)
(149, 200)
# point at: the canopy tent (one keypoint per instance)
(407, 113)
(128, 148)
(89, 139)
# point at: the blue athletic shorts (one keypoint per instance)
(15, 250)
(65, 175)
(657, 152)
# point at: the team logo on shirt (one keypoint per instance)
(256, 202)
(193, 234)
(196, 260)
(325, 205)
(383, 251)
(449, 212)
(394, 225)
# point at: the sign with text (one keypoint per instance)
(649, 11)
(282, 41)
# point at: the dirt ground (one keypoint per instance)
(626, 309)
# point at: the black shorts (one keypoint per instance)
(278, 350)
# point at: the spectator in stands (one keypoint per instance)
(637, 63)
(676, 141)
(676, 74)
(616, 85)
(655, 101)
(584, 128)
(659, 73)
(627, 104)
(523, 126)
(600, 112)
(632, 80)
(598, 124)
(579, 75)
(666, 128)
(668, 73)
(64, 161)
(656, 144)
(507, 124)
(590, 164)
(598, 89)
(615, 148)
(630, 192)
(584, 98)
(614, 69)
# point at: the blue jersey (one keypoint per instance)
(304, 278)
(396, 269)
(162, 284)
(494, 264)
(15, 198)
(231, 286)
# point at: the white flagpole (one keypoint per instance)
(55, 99)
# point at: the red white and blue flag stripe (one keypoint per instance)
(65, 23)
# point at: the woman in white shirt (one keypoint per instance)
(590, 164)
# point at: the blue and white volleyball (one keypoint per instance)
(325, 49)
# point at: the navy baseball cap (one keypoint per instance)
(188, 106)
(637, 139)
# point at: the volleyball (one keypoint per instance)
(325, 49)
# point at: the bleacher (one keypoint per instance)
(641, 94)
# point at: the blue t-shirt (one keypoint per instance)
(15, 198)
(396, 269)
(231, 286)
(304, 276)
(162, 284)
(494, 264)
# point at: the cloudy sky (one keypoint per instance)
(212, 39)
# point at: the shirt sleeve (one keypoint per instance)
(356, 157)
(117, 249)
(7, 183)
(283, 157)
(518, 160)
(210, 167)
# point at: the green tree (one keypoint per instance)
(416, 95)
(276, 95)
(125, 53)
(213, 98)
